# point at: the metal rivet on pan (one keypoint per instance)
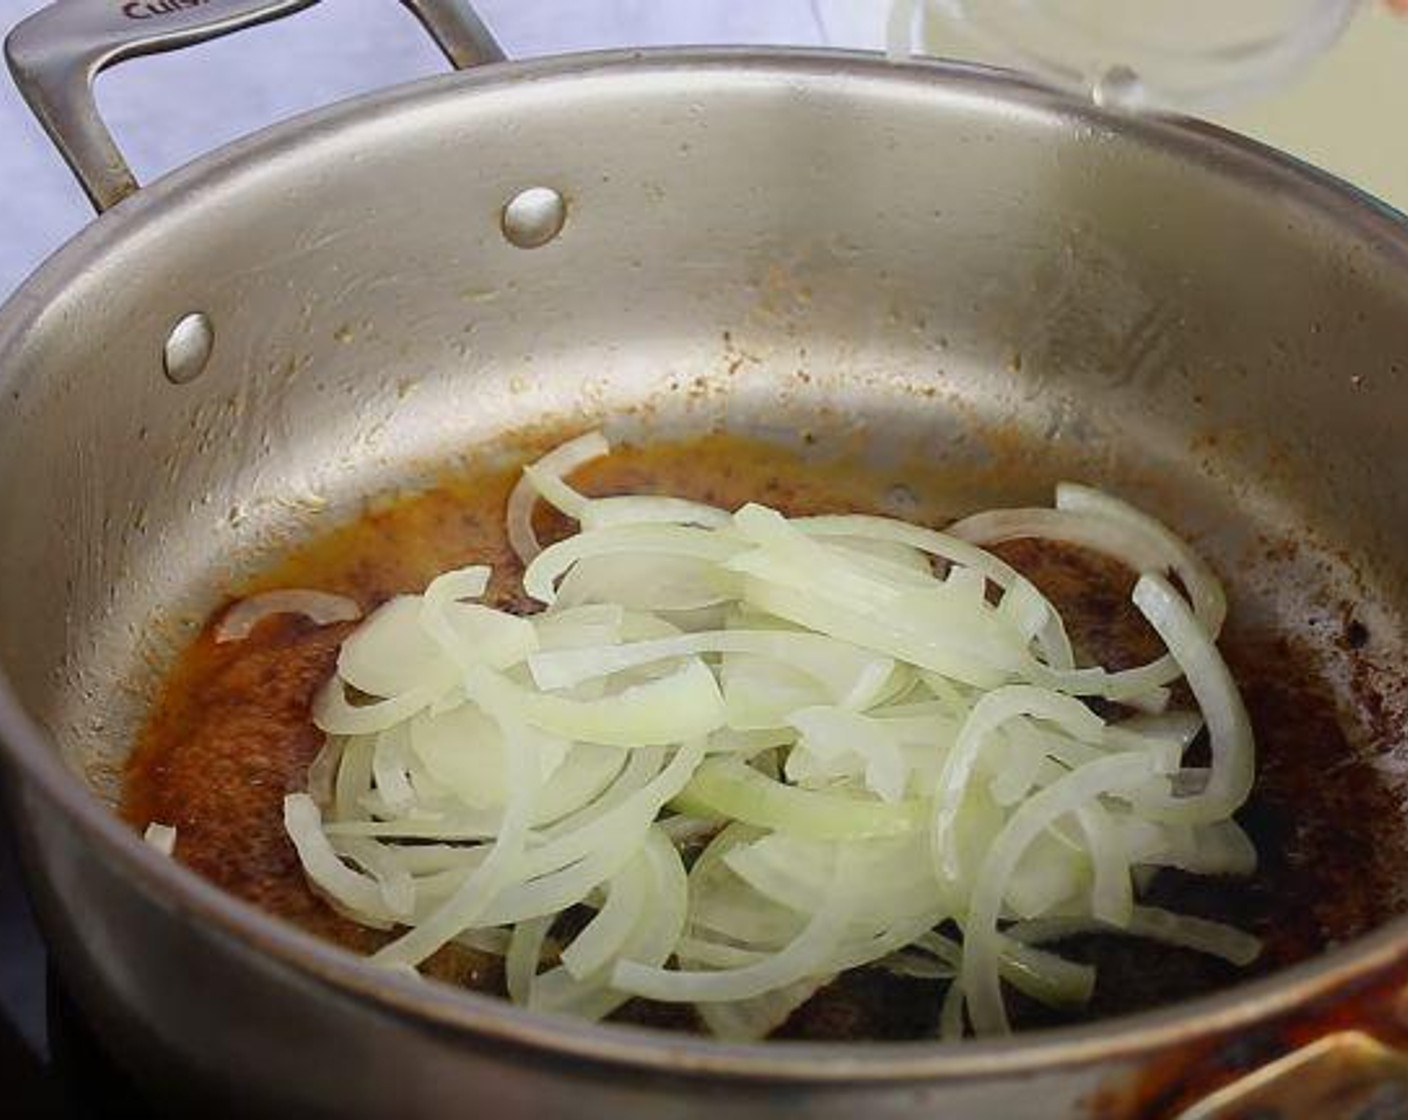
(188, 348)
(533, 217)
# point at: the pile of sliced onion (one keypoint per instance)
(877, 732)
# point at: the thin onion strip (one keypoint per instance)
(322, 608)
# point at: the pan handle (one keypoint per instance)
(56, 54)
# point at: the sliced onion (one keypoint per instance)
(979, 974)
(382, 863)
(844, 670)
(562, 460)
(566, 871)
(1056, 646)
(804, 957)
(1205, 593)
(1181, 930)
(604, 937)
(333, 713)
(390, 652)
(990, 713)
(463, 749)
(650, 943)
(874, 727)
(359, 893)
(482, 886)
(1041, 975)
(1099, 534)
(682, 541)
(730, 788)
(1111, 891)
(836, 743)
(1229, 728)
(1098, 521)
(629, 509)
(521, 957)
(390, 759)
(162, 837)
(322, 607)
(686, 704)
(749, 1020)
(650, 582)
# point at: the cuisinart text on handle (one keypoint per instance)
(149, 9)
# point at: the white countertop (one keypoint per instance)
(1350, 114)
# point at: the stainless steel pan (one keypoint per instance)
(921, 259)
